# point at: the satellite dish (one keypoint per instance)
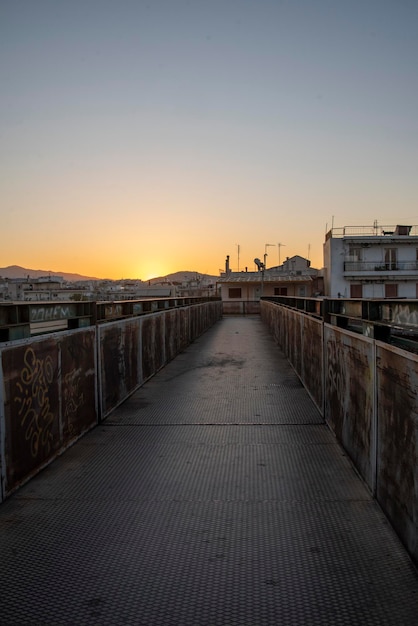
(259, 264)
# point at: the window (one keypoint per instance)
(391, 290)
(391, 258)
(280, 291)
(356, 291)
(354, 253)
(234, 292)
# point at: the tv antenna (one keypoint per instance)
(280, 245)
(267, 245)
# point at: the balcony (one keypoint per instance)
(373, 267)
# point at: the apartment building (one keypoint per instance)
(371, 262)
(241, 291)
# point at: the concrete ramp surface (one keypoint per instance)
(214, 496)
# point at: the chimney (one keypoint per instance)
(227, 270)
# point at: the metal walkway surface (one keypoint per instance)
(214, 496)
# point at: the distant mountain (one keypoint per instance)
(182, 277)
(15, 271)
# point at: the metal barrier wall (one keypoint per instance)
(56, 387)
(301, 339)
(349, 407)
(49, 401)
(370, 392)
(241, 307)
(131, 351)
(397, 440)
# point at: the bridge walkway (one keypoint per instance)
(214, 496)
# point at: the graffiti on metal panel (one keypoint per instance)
(73, 396)
(48, 313)
(32, 398)
(336, 371)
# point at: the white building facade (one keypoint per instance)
(241, 291)
(371, 262)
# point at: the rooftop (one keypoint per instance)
(377, 230)
(269, 277)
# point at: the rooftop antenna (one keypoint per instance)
(279, 245)
(265, 252)
(238, 247)
(309, 250)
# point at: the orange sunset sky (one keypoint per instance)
(143, 138)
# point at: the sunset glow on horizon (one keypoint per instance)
(141, 139)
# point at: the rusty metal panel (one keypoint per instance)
(112, 310)
(172, 335)
(184, 327)
(295, 340)
(120, 371)
(397, 462)
(352, 308)
(78, 383)
(300, 338)
(402, 313)
(147, 338)
(349, 395)
(159, 341)
(193, 323)
(32, 425)
(312, 359)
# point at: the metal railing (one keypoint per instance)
(20, 320)
(377, 230)
(380, 266)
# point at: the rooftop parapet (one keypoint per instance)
(377, 230)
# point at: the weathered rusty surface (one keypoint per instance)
(112, 310)
(119, 362)
(159, 342)
(78, 383)
(52, 385)
(349, 394)
(300, 338)
(370, 402)
(194, 324)
(172, 334)
(31, 383)
(241, 307)
(295, 340)
(312, 359)
(403, 314)
(184, 327)
(397, 462)
(148, 340)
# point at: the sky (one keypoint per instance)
(144, 137)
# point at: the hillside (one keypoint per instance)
(182, 276)
(15, 271)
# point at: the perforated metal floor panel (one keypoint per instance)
(215, 496)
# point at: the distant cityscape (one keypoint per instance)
(359, 262)
(19, 283)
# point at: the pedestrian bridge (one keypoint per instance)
(215, 495)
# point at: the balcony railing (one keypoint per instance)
(380, 266)
(377, 230)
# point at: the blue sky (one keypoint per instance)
(139, 138)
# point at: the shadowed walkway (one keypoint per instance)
(214, 496)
